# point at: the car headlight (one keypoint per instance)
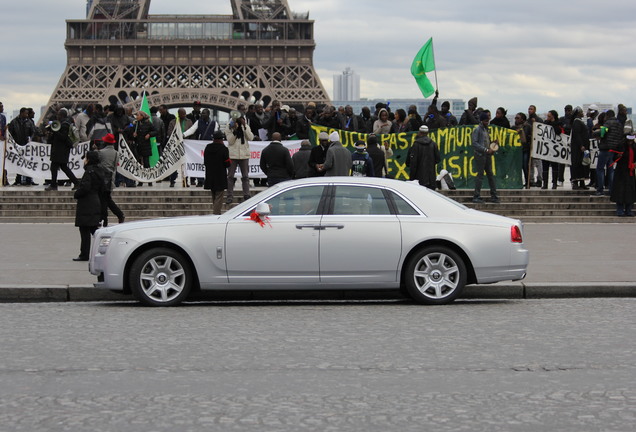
(104, 242)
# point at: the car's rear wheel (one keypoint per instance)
(160, 277)
(435, 275)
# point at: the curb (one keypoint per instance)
(79, 293)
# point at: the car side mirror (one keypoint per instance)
(262, 209)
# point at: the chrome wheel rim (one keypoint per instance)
(436, 275)
(162, 278)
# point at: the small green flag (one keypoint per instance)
(154, 157)
(424, 62)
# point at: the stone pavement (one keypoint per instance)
(566, 260)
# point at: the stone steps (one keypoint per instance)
(35, 205)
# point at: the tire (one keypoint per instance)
(161, 277)
(435, 275)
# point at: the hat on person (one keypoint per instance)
(484, 116)
(285, 108)
(334, 136)
(360, 145)
(424, 128)
(372, 140)
(592, 107)
(472, 101)
(218, 135)
(109, 139)
(323, 136)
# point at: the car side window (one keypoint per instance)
(360, 200)
(297, 201)
(402, 207)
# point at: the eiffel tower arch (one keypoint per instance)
(262, 52)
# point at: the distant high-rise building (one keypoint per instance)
(346, 86)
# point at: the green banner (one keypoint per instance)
(455, 147)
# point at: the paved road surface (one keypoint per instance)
(530, 365)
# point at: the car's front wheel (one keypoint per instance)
(435, 275)
(160, 277)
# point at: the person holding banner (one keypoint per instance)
(483, 159)
(551, 120)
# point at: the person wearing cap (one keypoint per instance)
(423, 159)
(88, 212)
(451, 120)
(216, 158)
(362, 164)
(108, 158)
(579, 144)
(276, 161)
(483, 159)
(470, 115)
(338, 161)
(300, 159)
(318, 156)
(195, 114)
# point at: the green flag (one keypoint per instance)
(424, 62)
(154, 157)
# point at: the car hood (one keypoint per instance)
(160, 223)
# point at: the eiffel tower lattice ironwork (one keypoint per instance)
(261, 52)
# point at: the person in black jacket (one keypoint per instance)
(423, 159)
(143, 131)
(276, 161)
(377, 156)
(60, 151)
(579, 144)
(612, 138)
(624, 186)
(216, 158)
(88, 212)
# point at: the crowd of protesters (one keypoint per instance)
(614, 174)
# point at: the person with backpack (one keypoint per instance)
(99, 127)
(61, 145)
(362, 164)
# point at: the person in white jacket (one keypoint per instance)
(238, 135)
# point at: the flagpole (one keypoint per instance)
(435, 70)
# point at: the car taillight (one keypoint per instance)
(515, 234)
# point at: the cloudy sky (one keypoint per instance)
(508, 53)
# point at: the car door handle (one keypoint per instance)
(310, 226)
(336, 226)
